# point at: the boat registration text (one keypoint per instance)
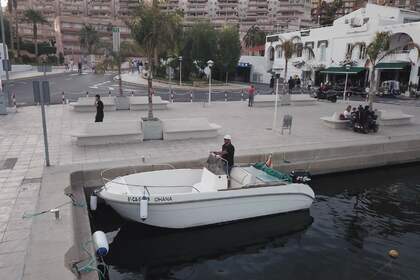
(156, 199)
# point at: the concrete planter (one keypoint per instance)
(122, 102)
(152, 129)
(285, 99)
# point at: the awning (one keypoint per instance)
(342, 70)
(392, 65)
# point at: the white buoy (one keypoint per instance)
(100, 242)
(144, 201)
(93, 202)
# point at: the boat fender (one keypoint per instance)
(93, 202)
(101, 243)
(144, 201)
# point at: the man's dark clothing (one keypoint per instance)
(291, 83)
(230, 152)
(99, 111)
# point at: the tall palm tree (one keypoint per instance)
(153, 30)
(376, 51)
(35, 17)
(11, 19)
(288, 47)
(89, 38)
(254, 37)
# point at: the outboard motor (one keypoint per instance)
(300, 176)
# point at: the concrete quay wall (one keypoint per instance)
(318, 160)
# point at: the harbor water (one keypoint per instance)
(356, 219)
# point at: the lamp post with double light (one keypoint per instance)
(348, 67)
(180, 69)
(210, 64)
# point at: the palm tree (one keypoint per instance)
(153, 31)
(10, 11)
(89, 38)
(254, 37)
(34, 17)
(376, 51)
(289, 48)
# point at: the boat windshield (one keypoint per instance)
(215, 164)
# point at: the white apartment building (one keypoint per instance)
(330, 46)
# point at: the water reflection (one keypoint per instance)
(152, 252)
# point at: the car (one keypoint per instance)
(389, 88)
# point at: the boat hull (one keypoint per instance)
(200, 209)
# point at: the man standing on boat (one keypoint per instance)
(227, 153)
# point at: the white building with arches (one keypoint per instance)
(330, 46)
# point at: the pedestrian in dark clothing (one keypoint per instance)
(272, 82)
(79, 67)
(297, 82)
(291, 83)
(251, 93)
(99, 109)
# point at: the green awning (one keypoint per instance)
(343, 70)
(392, 65)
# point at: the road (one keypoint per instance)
(74, 85)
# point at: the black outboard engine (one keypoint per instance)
(300, 176)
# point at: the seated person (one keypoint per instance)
(347, 113)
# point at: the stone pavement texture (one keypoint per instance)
(21, 141)
(135, 78)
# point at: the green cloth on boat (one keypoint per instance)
(282, 176)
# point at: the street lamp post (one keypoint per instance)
(210, 65)
(277, 73)
(6, 61)
(180, 69)
(345, 83)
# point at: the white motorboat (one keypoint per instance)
(183, 198)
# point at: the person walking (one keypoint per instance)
(251, 94)
(291, 83)
(99, 117)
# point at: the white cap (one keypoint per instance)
(228, 137)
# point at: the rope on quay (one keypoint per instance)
(55, 209)
(89, 267)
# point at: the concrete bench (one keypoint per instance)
(141, 103)
(194, 128)
(102, 133)
(87, 104)
(334, 121)
(393, 118)
(295, 100)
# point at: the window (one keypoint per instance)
(279, 52)
(348, 50)
(362, 51)
(299, 48)
(271, 53)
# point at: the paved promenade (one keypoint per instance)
(22, 171)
